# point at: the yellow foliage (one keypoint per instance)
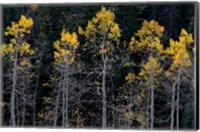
(151, 66)
(102, 23)
(12, 58)
(178, 50)
(71, 59)
(80, 30)
(130, 77)
(65, 47)
(47, 100)
(25, 22)
(21, 28)
(45, 84)
(56, 54)
(25, 49)
(97, 83)
(11, 48)
(148, 36)
(25, 62)
(3, 50)
(18, 30)
(70, 39)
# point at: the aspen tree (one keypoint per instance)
(64, 57)
(147, 39)
(101, 31)
(16, 48)
(178, 50)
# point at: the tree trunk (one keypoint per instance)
(12, 103)
(63, 98)
(17, 109)
(24, 102)
(37, 84)
(148, 107)
(34, 100)
(66, 92)
(172, 106)
(152, 91)
(104, 91)
(57, 104)
(177, 102)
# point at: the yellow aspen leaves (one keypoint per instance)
(12, 58)
(18, 31)
(25, 22)
(80, 30)
(56, 45)
(71, 39)
(3, 50)
(65, 47)
(178, 50)
(148, 28)
(148, 36)
(102, 23)
(114, 32)
(146, 68)
(25, 48)
(130, 77)
(25, 62)
(21, 28)
(56, 54)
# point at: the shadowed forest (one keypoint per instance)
(115, 66)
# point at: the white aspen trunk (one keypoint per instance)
(24, 102)
(12, 103)
(152, 105)
(129, 109)
(172, 106)
(152, 91)
(177, 102)
(66, 92)
(63, 99)
(104, 90)
(34, 100)
(57, 104)
(17, 109)
(148, 107)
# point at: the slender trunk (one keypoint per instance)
(63, 98)
(12, 103)
(36, 87)
(152, 105)
(148, 107)
(172, 106)
(57, 104)
(66, 92)
(24, 102)
(104, 91)
(152, 91)
(177, 102)
(129, 109)
(17, 109)
(34, 100)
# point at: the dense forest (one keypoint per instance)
(123, 66)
